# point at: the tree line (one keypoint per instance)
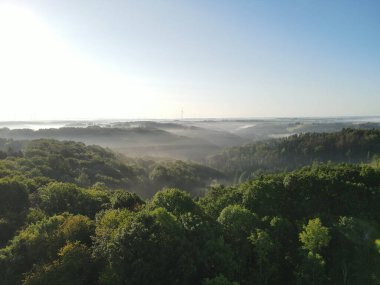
(285, 154)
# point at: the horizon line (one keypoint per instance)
(232, 118)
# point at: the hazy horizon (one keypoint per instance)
(121, 119)
(144, 60)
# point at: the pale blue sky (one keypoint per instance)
(149, 59)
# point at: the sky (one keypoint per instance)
(151, 59)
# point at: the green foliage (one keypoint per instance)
(183, 175)
(34, 215)
(175, 201)
(312, 270)
(14, 203)
(75, 228)
(75, 162)
(219, 197)
(218, 280)
(63, 197)
(78, 228)
(39, 243)
(146, 242)
(284, 202)
(44, 161)
(74, 265)
(314, 236)
(359, 264)
(123, 199)
(13, 196)
(155, 175)
(348, 145)
(237, 220)
(264, 248)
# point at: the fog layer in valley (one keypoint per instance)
(178, 139)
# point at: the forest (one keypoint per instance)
(305, 213)
(284, 154)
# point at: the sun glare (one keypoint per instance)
(40, 69)
(32, 58)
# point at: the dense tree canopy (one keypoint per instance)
(43, 161)
(315, 225)
(348, 145)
